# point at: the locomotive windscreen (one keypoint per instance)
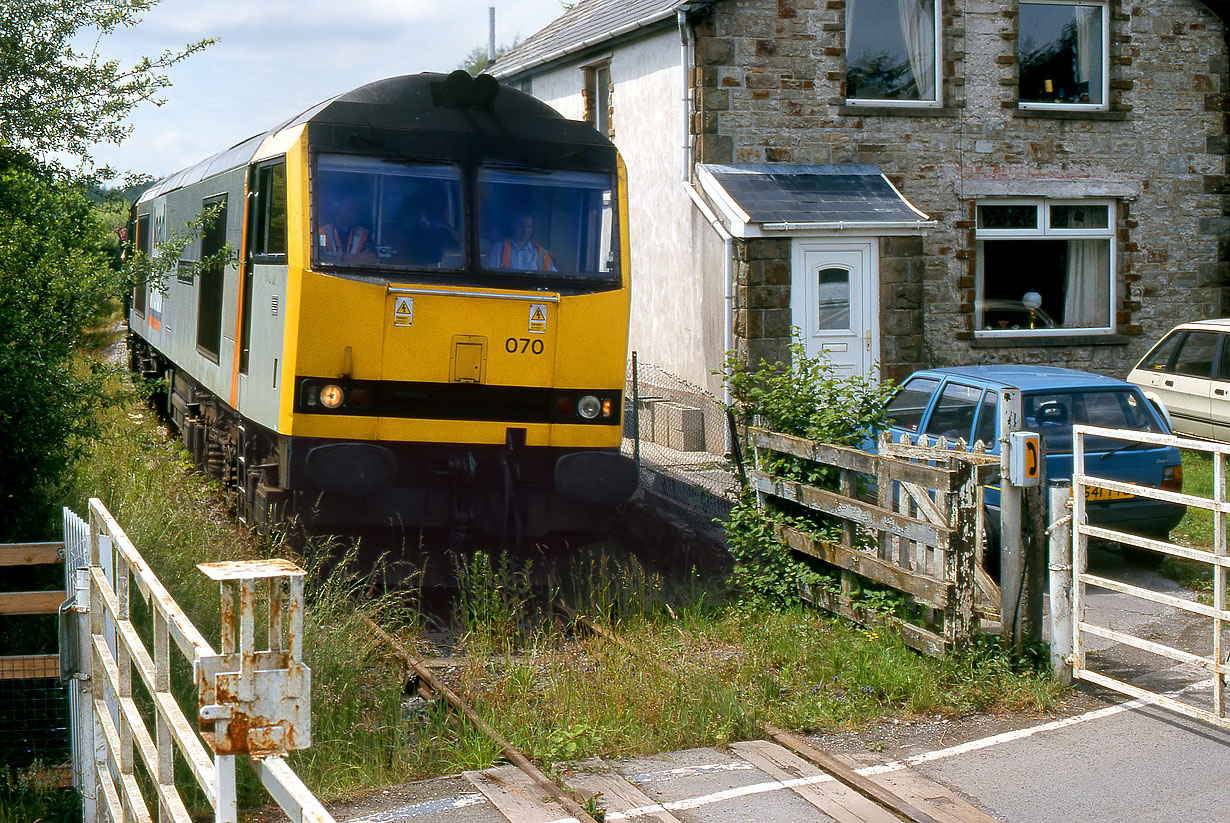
(559, 221)
(382, 216)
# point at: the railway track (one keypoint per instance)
(780, 777)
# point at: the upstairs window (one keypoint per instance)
(1062, 49)
(1045, 267)
(892, 52)
(598, 99)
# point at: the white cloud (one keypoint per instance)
(276, 58)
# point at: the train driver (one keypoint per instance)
(344, 235)
(520, 251)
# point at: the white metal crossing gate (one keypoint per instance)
(251, 702)
(1211, 657)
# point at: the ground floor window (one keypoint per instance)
(1045, 267)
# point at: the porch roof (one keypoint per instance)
(767, 199)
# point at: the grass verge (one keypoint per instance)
(708, 674)
(703, 672)
(1196, 528)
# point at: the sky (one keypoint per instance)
(276, 58)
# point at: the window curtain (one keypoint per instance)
(1087, 286)
(918, 27)
(1088, 57)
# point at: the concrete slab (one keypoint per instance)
(702, 785)
(439, 800)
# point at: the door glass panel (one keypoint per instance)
(1223, 373)
(988, 420)
(209, 298)
(833, 299)
(906, 409)
(1159, 359)
(1196, 356)
(954, 413)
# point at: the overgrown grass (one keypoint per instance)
(705, 674)
(1196, 527)
(33, 795)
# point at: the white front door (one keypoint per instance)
(833, 300)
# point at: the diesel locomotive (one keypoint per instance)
(425, 320)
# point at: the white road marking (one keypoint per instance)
(867, 771)
(416, 809)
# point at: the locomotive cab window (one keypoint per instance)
(375, 212)
(533, 220)
(268, 225)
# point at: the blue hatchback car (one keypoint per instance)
(964, 403)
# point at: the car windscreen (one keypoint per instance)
(1052, 415)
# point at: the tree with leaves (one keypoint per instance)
(57, 265)
(476, 60)
(58, 97)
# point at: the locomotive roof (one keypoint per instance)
(410, 102)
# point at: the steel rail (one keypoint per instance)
(842, 773)
(429, 684)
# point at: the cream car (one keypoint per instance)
(1188, 374)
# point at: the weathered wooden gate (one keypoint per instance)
(914, 528)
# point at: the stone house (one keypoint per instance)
(907, 182)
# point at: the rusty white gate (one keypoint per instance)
(1215, 662)
(252, 703)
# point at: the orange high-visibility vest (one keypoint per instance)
(544, 256)
(331, 241)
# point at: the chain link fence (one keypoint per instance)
(680, 436)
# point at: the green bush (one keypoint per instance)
(806, 398)
(55, 279)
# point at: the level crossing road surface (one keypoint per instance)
(752, 781)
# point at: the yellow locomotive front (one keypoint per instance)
(457, 314)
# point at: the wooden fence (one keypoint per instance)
(910, 521)
(34, 667)
(30, 603)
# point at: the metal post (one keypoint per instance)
(1219, 582)
(83, 757)
(1080, 549)
(1011, 557)
(1034, 546)
(636, 413)
(1060, 582)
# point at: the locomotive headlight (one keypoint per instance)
(589, 407)
(331, 396)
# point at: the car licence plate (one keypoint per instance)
(1093, 494)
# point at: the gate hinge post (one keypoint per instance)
(256, 701)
